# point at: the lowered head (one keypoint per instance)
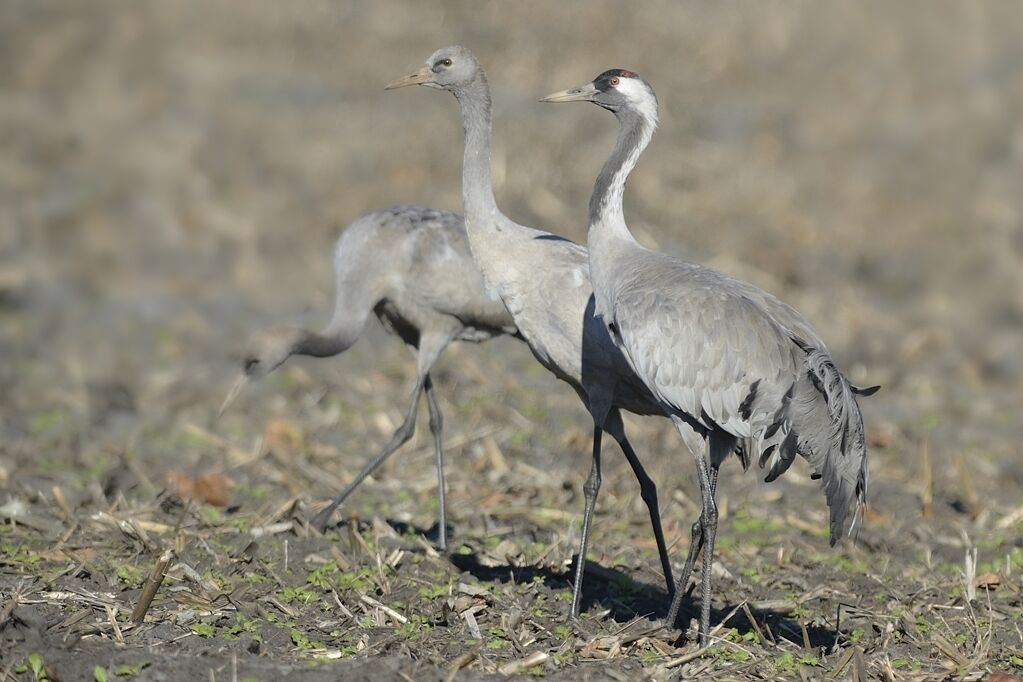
(617, 90)
(449, 68)
(265, 351)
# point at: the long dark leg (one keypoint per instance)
(648, 491)
(590, 490)
(401, 436)
(437, 429)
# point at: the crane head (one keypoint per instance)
(617, 90)
(265, 351)
(448, 69)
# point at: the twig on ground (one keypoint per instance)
(394, 615)
(150, 587)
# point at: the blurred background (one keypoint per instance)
(174, 175)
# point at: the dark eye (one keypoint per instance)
(614, 80)
(445, 62)
(250, 362)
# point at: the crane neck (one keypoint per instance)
(324, 344)
(607, 218)
(477, 189)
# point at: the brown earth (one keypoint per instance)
(173, 176)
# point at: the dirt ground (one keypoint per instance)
(173, 177)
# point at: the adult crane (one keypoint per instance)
(544, 281)
(411, 267)
(735, 368)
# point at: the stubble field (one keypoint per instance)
(174, 176)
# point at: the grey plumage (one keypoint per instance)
(410, 267)
(733, 365)
(544, 281)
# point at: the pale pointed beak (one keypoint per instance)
(584, 93)
(423, 76)
(239, 384)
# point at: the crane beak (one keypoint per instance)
(239, 384)
(584, 93)
(423, 76)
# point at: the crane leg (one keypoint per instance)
(696, 539)
(706, 526)
(401, 436)
(437, 429)
(709, 522)
(648, 491)
(430, 347)
(590, 490)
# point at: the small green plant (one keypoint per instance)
(752, 574)
(131, 576)
(435, 591)
(905, 664)
(33, 662)
(211, 515)
(320, 576)
(302, 641)
(745, 523)
(302, 595)
(99, 674)
(731, 654)
(360, 581)
(206, 630)
(128, 670)
(788, 664)
(240, 625)
(15, 555)
(563, 658)
(416, 627)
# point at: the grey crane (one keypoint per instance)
(411, 267)
(544, 281)
(734, 367)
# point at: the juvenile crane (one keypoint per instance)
(733, 366)
(544, 281)
(411, 267)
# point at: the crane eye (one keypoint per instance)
(250, 363)
(615, 80)
(446, 62)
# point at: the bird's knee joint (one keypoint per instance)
(406, 430)
(592, 486)
(436, 422)
(648, 491)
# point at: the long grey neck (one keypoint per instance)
(321, 345)
(477, 191)
(606, 215)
